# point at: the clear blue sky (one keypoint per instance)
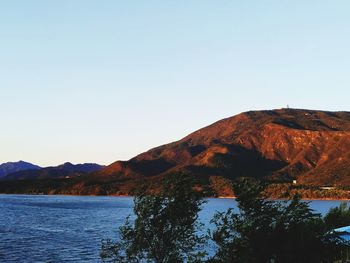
(103, 80)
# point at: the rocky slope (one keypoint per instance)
(310, 146)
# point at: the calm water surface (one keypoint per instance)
(70, 228)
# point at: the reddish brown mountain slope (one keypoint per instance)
(312, 146)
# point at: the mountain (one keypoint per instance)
(85, 167)
(61, 171)
(310, 146)
(12, 167)
(278, 146)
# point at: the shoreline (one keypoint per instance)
(211, 197)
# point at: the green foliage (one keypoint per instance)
(165, 229)
(338, 216)
(270, 231)
(222, 161)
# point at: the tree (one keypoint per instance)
(300, 235)
(338, 216)
(270, 231)
(165, 229)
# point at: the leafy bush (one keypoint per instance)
(271, 231)
(165, 229)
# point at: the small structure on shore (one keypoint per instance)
(327, 187)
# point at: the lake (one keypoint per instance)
(70, 228)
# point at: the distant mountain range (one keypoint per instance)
(24, 170)
(12, 167)
(278, 146)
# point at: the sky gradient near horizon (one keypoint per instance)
(100, 81)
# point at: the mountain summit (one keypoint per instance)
(286, 144)
(12, 167)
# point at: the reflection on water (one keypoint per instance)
(70, 228)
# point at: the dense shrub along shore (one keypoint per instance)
(213, 186)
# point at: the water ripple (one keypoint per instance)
(70, 228)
